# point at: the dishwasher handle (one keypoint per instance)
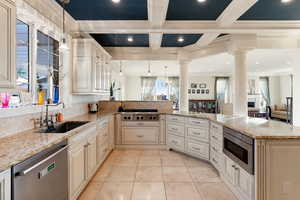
(23, 173)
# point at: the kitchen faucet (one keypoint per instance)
(51, 127)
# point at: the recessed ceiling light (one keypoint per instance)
(288, 62)
(257, 63)
(130, 39)
(286, 1)
(201, 1)
(180, 39)
(227, 63)
(116, 1)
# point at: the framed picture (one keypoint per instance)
(193, 91)
(202, 85)
(202, 91)
(190, 91)
(193, 85)
(198, 91)
(207, 91)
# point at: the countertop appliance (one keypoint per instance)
(140, 116)
(44, 176)
(93, 107)
(240, 148)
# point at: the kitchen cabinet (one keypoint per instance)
(241, 182)
(102, 140)
(91, 71)
(140, 135)
(8, 44)
(82, 160)
(111, 130)
(5, 185)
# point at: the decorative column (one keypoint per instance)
(240, 84)
(183, 92)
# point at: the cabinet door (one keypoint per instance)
(91, 156)
(98, 74)
(5, 185)
(82, 75)
(245, 183)
(111, 131)
(229, 170)
(77, 170)
(8, 44)
(143, 135)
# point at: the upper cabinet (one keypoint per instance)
(91, 70)
(7, 43)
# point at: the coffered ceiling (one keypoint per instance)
(122, 40)
(179, 40)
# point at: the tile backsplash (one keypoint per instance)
(14, 124)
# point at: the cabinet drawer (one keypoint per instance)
(216, 147)
(198, 134)
(145, 135)
(175, 142)
(216, 128)
(175, 119)
(102, 152)
(216, 138)
(200, 149)
(82, 136)
(198, 122)
(215, 159)
(216, 132)
(175, 129)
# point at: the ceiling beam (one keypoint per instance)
(196, 27)
(157, 13)
(232, 13)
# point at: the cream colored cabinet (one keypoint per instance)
(91, 156)
(229, 170)
(5, 185)
(82, 160)
(162, 136)
(89, 67)
(7, 44)
(76, 171)
(111, 130)
(140, 135)
(102, 141)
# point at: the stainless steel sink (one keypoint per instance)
(63, 127)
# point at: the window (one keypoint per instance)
(22, 55)
(222, 88)
(47, 69)
(161, 88)
(264, 92)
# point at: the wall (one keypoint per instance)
(274, 84)
(285, 88)
(210, 84)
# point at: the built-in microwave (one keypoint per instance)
(240, 148)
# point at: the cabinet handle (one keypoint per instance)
(233, 166)
(214, 160)
(197, 149)
(140, 124)
(196, 122)
(140, 136)
(175, 129)
(214, 137)
(196, 133)
(214, 149)
(174, 142)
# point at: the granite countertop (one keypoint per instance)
(256, 128)
(17, 148)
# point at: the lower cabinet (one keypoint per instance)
(241, 182)
(175, 142)
(82, 160)
(143, 135)
(198, 149)
(5, 185)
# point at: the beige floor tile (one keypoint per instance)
(149, 174)
(121, 174)
(172, 162)
(91, 191)
(181, 191)
(176, 174)
(150, 153)
(193, 162)
(215, 191)
(115, 191)
(150, 161)
(170, 154)
(126, 161)
(135, 153)
(202, 174)
(149, 191)
(102, 173)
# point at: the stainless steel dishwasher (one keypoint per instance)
(43, 176)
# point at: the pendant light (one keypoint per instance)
(63, 43)
(121, 72)
(149, 69)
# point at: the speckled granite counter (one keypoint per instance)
(17, 148)
(254, 127)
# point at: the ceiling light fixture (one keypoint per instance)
(130, 39)
(257, 63)
(286, 1)
(121, 71)
(63, 46)
(149, 69)
(180, 39)
(201, 1)
(116, 1)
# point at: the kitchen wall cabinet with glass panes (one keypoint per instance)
(7, 43)
(91, 71)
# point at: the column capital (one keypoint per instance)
(184, 62)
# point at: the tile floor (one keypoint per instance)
(155, 175)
